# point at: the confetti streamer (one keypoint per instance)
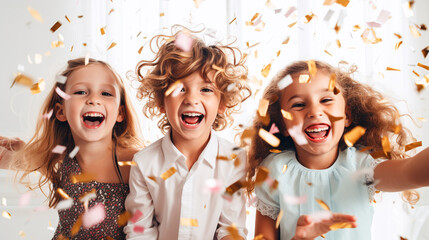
(94, 216)
(413, 145)
(62, 94)
(35, 14)
(269, 138)
(64, 204)
(168, 173)
(350, 138)
(56, 26)
(189, 222)
(184, 41)
(172, 87)
(59, 149)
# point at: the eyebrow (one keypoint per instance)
(299, 95)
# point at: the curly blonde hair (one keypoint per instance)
(37, 154)
(364, 106)
(171, 64)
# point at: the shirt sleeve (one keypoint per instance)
(367, 165)
(268, 203)
(234, 211)
(140, 199)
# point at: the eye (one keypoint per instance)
(80, 93)
(298, 105)
(325, 100)
(106, 94)
(207, 90)
(182, 90)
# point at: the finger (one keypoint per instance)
(303, 220)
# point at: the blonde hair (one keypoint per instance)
(171, 64)
(37, 153)
(364, 106)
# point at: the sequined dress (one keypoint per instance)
(111, 195)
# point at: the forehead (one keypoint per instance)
(197, 78)
(92, 74)
(318, 83)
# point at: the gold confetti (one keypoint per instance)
(392, 69)
(284, 168)
(172, 87)
(22, 234)
(111, 10)
(378, 154)
(254, 17)
(331, 85)
(286, 114)
(323, 204)
(411, 196)
(418, 75)
(35, 14)
(6, 215)
(278, 53)
(397, 45)
(266, 69)
(279, 218)
(308, 17)
(334, 118)
(340, 225)
(56, 26)
(423, 66)
(168, 173)
(102, 31)
(233, 20)
(328, 53)
(259, 237)
(67, 18)
(76, 226)
(291, 25)
(350, 138)
(83, 177)
(309, 184)
(425, 51)
(71, 49)
(140, 50)
(197, 3)
(111, 46)
(263, 107)
(261, 175)
(162, 14)
(57, 44)
(421, 119)
(413, 145)
(123, 218)
(414, 32)
(323, 236)
(343, 3)
(337, 28)
(402, 238)
(63, 194)
(234, 187)
(275, 151)
(338, 43)
(312, 67)
(237, 162)
(233, 232)
(84, 44)
(22, 80)
(190, 222)
(355, 28)
(397, 35)
(369, 36)
(286, 41)
(269, 138)
(274, 185)
(222, 158)
(38, 87)
(304, 78)
(80, 16)
(153, 178)
(127, 163)
(385, 144)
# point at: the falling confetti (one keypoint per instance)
(413, 145)
(62, 193)
(56, 26)
(35, 14)
(59, 149)
(73, 153)
(168, 173)
(123, 218)
(190, 222)
(304, 78)
(294, 200)
(350, 138)
(263, 107)
(266, 69)
(269, 138)
(127, 163)
(172, 87)
(286, 81)
(322, 204)
(213, 186)
(111, 46)
(6, 215)
(94, 216)
(184, 41)
(64, 204)
(279, 218)
(62, 94)
(340, 225)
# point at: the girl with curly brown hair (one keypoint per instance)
(321, 113)
(193, 88)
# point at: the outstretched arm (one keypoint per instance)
(7, 147)
(265, 226)
(402, 174)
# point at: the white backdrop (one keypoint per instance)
(133, 22)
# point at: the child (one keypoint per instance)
(167, 185)
(97, 117)
(315, 165)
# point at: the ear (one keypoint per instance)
(162, 109)
(221, 109)
(121, 114)
(60, 113)
(348, 121)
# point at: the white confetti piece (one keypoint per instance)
(73, 153)
(64, 204)
(3, 201)
(286, 81)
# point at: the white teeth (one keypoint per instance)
(93, 115)
(317, 129)
(192, 114)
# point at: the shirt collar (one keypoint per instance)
(209, 154)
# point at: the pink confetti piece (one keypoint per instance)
(184, 42)
(137, 215)
(274, 129)
(41, 209)
(294, 200)
(25, 199)
(297, 136)
(59, 149)
(383, 16)
(62, 94)
(290, 11)
(227, 197)
(320, 216)
(48, 114)
(138, 229)
(94, 216)
(177, 90)
(213, 186)
(373, 24)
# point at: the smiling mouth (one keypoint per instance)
(92, 119)
(192, 119)
(317, 132)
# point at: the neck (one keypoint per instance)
(192, 149)
(316, 161)
(94, 152)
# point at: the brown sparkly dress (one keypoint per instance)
(111, 195)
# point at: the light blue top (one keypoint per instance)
(342, 187)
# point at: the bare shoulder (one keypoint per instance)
(125, 155)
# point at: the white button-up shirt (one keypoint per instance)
(182, 196)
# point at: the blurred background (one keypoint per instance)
(385, 40)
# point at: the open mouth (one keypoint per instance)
(192, 118)
(93, 119)
(317, 132)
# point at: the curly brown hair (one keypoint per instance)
(171, 64)
(37, 154)
(365, 106)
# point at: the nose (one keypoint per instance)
(315, 111)
(93, 100)
(192, 98)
